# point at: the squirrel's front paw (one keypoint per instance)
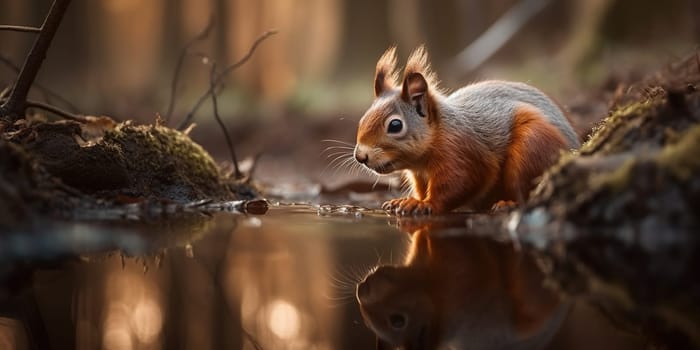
(407, 206)
(503, 206)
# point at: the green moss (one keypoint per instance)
(165, 163)
(159, 142)
(615, 180)
(604, 135)
(681, 158)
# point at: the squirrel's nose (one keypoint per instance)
(362, 158)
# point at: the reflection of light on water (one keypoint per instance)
(146, 320)
(277, 280)
(252, 221)
(117, 334)
(134, 315)
(117, 338)
(250, 301)
(284, 319)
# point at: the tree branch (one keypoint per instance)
(54, 110)
(232, 152)
(16, 104)
(178, 66)
(220, 76)
(22, 29)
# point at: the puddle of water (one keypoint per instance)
(286, 280)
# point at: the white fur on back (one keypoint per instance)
(487, 109)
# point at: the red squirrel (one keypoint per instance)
(481, 145)
(460, 292)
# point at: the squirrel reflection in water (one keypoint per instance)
(459, 292)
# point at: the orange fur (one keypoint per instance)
(459, 176)
(534, 147)
(447, 163)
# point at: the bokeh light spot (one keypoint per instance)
(284, 320)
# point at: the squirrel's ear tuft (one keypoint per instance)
(420, 84)
(419, 62)
(385, 77)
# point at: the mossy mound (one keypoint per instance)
(160, 162)
(114, 163)
(620, 219)
(640, 163)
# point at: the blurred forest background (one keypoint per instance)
(311, 81)
(117, 57)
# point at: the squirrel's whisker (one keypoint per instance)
(338, 141)
(344, 153)
(347, 148)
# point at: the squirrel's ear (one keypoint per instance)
(385, 75)
(415, 92)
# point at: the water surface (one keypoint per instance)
(283, 280)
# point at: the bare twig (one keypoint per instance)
(54, 110)
(43, 89)
(220, 76)
(22, 29)
(16, 104)
(178, 66)
(212, 76)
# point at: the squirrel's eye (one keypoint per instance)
(395, 126)
(397, 321)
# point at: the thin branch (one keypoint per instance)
(40, 87)
(217, 81)
(178, 66)
(22, 29)
(54, 110)
(16, 104)
(212, 76)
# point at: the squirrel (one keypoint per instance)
(460, 292)
(481, 146)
